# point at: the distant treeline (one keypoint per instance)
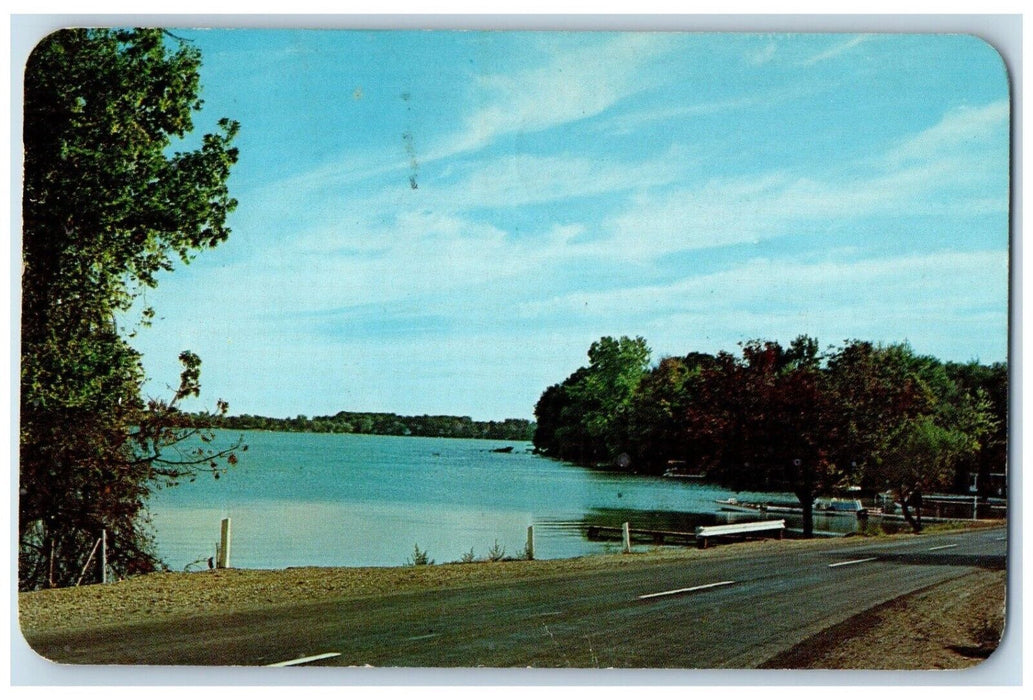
(381, 424)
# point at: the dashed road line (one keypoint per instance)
(685, 590)
(942, 546)
(423, 636)
(853, 561)
(305, 660)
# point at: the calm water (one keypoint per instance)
(298, 499)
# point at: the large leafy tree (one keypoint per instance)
(107, 205)
(764, 418)
(615, 368)
(986, 390)
(586, 418)
(902, 420)
(657, 433)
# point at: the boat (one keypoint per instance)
(677, 474)
(676, 469)
(840, 506)
(735, 506)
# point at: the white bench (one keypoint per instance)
(704, 532)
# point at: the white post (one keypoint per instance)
(530, 542)
(103, 556)
(627, 538)
(975, 507)
(224, 546)
(85, 566)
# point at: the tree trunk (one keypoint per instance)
(906, 510)
(806, 497)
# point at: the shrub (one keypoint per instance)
(419, 557)
(497, 552)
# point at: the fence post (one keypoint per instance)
(530, 542)
(975, 507)
(224, 546)
(103, 556)
(627, 538)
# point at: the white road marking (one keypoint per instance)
(547, 614)
(423, 636)
(942, 546)
(685, 590)
(305, 660)
(855, 561)
(1000, 539)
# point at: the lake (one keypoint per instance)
(304, 499)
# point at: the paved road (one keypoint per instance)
(741, 612)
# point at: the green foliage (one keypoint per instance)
(497, 552)
(106, 206)
(659, 429)
(783, 418)
(419, 557)
(586, 419)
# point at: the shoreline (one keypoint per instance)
(167, 595)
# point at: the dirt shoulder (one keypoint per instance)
(953, 625)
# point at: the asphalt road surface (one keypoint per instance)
(708, 613)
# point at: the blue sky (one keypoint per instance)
(443, 222)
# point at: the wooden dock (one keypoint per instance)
(606, 532)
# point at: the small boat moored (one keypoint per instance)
(840, 506)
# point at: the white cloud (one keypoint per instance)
(572, 86)
(630, 123)
(530, 179)
(948, 303)
(763, 55)
(429, 247)
(952, 168)
(343, 274)
(838, 49)
(940, 294)
(965, 129)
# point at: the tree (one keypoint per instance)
(585, 419)
(106, 207)
(764, 421)
(615, 368)
(654, 426)
(984, 393)
(903, 420)
(658, 432)
(876, 392)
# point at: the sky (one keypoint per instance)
(443, 222)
